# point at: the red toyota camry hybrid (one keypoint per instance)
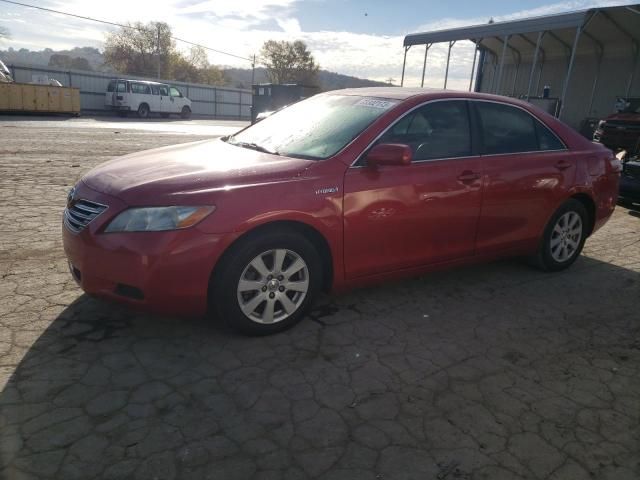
(339, 190)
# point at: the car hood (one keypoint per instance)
(190, 169)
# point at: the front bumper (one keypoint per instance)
(161, 272)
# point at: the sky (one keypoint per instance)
(357, 38)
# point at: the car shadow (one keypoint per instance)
(494, 369)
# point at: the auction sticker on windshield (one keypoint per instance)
(375, 103)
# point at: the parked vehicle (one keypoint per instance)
(144, 97)
(621, 131)
(630, 179)
(339, 190)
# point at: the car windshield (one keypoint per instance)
(316, 128)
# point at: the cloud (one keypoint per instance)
(242, 26)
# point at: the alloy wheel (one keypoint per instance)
(273, 286)
(566, 236)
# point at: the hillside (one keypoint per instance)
(236, 77)
(241, 78)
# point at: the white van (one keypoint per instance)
(145, 97)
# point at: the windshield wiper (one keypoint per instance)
(253, 146)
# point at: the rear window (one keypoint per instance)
(112, 86)
(507, 129)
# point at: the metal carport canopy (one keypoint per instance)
(618, 25)
(501, 29)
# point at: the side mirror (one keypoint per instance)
(390, 154)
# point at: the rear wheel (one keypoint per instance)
(266, 284)
(143, 110)
(564, 237)
(186, 112)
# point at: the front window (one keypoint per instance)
(316, 128)
(437, 130)
(175, 92)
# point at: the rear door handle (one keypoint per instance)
(563, 164)
(468, 176)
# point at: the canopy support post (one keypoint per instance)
(504, 53)
(446, 73)
(404, 62)
(424, 63)
(595, 84)
(565, 87)
(533, 64)
(473, 65)
(634, 67)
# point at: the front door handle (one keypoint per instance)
(563, 164)
(468, 176)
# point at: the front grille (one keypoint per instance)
(81, 213)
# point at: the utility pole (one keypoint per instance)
(158, 27)
(253, 70)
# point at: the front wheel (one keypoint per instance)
(266, 284)
(185, 113)
(564, 237)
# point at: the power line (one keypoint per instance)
(106, 22)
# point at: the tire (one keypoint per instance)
(263, 304)
(143, 110)
(186, 112)
(563, 238)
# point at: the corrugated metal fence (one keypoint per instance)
(217, 102)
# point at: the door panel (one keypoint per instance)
(165, 101)
(398, 217)
(521, 192)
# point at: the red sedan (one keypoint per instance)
(339, 190)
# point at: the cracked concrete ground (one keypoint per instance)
(490, 372)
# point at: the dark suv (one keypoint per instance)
(621, 131)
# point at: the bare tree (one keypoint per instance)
(289, 62)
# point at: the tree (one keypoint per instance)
(61, 60)
(289, 62)
(134, 51)
(138, 48)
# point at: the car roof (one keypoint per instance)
(138, 81)
(424, 94)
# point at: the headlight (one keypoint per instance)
(156, 219)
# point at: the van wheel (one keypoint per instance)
(267, 283)
(185, 113)
(143, 110)
(563, 238)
